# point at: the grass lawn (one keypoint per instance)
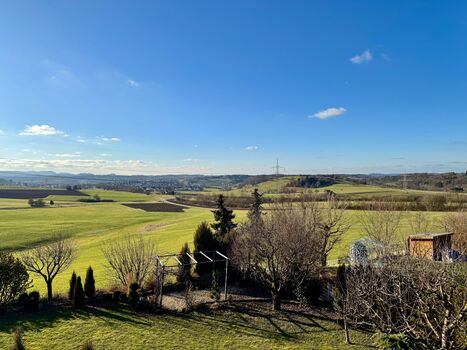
(119, 328)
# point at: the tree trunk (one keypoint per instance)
(276, 301)
(49, 291)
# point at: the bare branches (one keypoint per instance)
(49, 260)
(457, 223)
(130, 260)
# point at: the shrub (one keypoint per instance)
(52, 203)
(90, 283)
(14, 279)
(133, 294)
(116, 295)
(215, 291)
(309, 291)
(184, 270)
(87, 345)
(123, 298)
(71, 291)
(18, 343)
(79, 300)
(203, 241)
(397, 341)
(36, 203)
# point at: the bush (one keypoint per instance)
(90, 283)
(116, 295)
(133, 294)
(14, 279)
(309, 292)
(203, 241)
(36, 203)
(79, 300)
(18, 343)
(398, 341)
(123, 298)
(184, 270)
(71, 291)
(52, 203)
(87, 345)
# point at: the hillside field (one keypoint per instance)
(92, 224)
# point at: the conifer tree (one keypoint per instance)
(204, 241)
(89, 283)
(71, 291)
(79, 299)
(224, 222)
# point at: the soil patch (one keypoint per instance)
(157, 207)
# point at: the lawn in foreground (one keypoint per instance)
(118, 328)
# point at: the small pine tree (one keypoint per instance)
(18, 343)
(215, 291)
(71, 291)
(256, 208)
(90, 283)
(224, 223)
(133, 294)
(184, 270)
(79, 299)
(203, 241)
(52, 203)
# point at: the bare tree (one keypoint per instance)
(423, 299)
(280, 249)
(419, 222)
(381, 223)
(130, 260)
(457, 223)
(49, 260)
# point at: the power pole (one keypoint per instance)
(277, 168)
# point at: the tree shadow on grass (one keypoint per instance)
(51, 315)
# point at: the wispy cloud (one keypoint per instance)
(251, 148)
(105, 155)
(133, 83)
(1, 132)
(189, 160)
(41, 130)
(366, 56)
(59, 74)
(386, 57)
(67, 155)
(110, 139)
(329, 113)
(458, 143)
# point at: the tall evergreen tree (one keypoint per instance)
(224, 222)
(89, 283)
(71, 291)
(79, 300)
(184, 270)
(256, 208)
(204, 241)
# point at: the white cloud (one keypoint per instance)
(366, 56)
(41, 130)
(328, 113)
(1, 132)
(189, 160)
(133, 83)
(251, 148)
(105, 155)
(108, 139)
(81, 140)
(67, 155)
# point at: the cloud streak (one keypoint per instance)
(329, 113)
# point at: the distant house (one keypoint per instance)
(434, 246)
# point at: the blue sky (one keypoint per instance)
(219, 87)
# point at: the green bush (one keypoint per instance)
(398, 341)
(79, 300)
(133, 294)
(87, 345)
(90, 283)
(184, 270)
(14, 279)
(29, 302)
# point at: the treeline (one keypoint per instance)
(409, 202)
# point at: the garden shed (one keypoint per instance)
(434, 246)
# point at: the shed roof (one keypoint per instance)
(430, 235)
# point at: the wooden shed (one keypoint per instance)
(434, 246)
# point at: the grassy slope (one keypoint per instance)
(111, 329)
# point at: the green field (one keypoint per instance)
(91, 225)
